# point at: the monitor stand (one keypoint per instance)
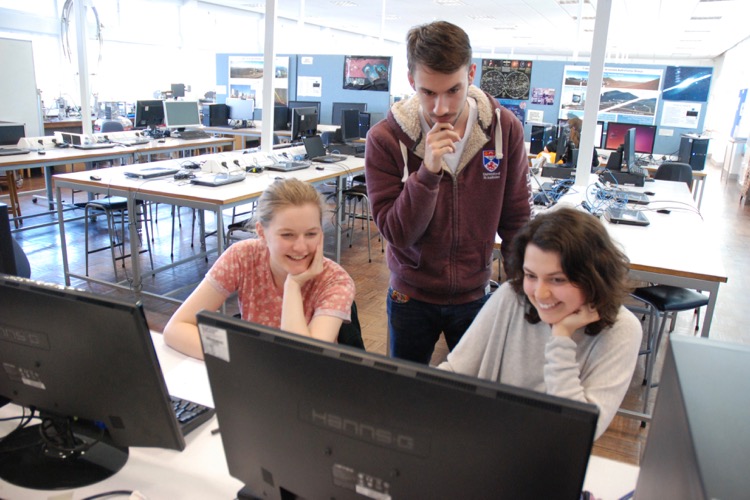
(70, 455)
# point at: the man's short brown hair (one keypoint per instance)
(440, 46)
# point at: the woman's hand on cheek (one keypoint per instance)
(572, 322)
(315, 268)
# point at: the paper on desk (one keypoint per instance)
(189, 380)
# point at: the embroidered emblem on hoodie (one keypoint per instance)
(490, 161)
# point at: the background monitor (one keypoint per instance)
(11, 133)
(321, 420)
(628, 149)
(304, 104)
(242, 110)
(178, 90)
(350, 125)
(87, 364)
(364, 124)
(181, 114)
(280, 117)
(304, 123)
(644, 136)
(149, 113)
(338, 107)
(599, 134)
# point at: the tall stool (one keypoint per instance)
(353, 197)
(663, 301)
(115, 209)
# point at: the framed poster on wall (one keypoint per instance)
(506, 79)
(367, 73)
(246, 78)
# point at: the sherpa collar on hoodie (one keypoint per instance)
(406, 114)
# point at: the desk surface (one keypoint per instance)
(679, 243)
(200, 471)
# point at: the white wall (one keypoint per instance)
(729, 79)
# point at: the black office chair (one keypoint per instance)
(353, 198)
(112, 126)
(349, 334)
(675, 171)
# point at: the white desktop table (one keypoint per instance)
(182, 193)
(255, 131)
(200, 472)
(678, 248)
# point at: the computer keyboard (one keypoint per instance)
(193, 134)
(190, 415)
(13, 151)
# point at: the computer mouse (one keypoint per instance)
(161, 140)
(319, 167)
(41, 152)
(649, 193)
(278, 178)
(95, 178)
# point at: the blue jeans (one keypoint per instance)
(415, 326)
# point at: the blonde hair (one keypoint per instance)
(283, 194)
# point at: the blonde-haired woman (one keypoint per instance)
(282, 278)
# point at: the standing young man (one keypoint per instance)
(446, 171)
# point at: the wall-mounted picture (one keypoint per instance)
(367, 73)
(685, 83)
(506, 78)
(246, 78)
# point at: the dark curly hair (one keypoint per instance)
(588, 256)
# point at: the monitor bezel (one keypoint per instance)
(140, 109)
(182, 105)
(300, 116)
(338, 107)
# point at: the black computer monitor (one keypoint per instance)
(645, 136)
(561, 148)
(350, 125)
(86, 363)
(304, 104)
(149, 113)
(280, 118)
(322, 420)
(304, 123)
(181, 114)
(338, 107)
(628, 149)
(11, 133)
(178, 89)
(241, 110)
(364, 124)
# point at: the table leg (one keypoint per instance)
(63, 242)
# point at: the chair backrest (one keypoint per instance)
(112, 126)
(675, 171)
(351, 333)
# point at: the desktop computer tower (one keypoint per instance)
(540, 136)
(693, 150)
(215, 115)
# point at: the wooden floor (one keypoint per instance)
(623, 441)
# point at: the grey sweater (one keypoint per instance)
(500, 345)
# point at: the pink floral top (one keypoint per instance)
(244, 268)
